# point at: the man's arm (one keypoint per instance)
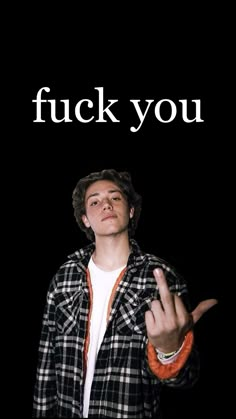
(45, 398)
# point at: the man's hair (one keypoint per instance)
(123, 181)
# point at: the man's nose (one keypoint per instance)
(107, 204)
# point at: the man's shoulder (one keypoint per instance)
(151, 258)
(80, 254)
(150, 261)
(70, 272)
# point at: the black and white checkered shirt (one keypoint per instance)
(123, 385)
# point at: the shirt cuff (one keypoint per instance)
(170, 370)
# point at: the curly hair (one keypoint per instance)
(123, 181)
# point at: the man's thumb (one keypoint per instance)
(201, 308)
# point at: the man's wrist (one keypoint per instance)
(166, 358)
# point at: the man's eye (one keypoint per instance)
(93, 203)
(116, 198)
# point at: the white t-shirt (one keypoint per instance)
(102, 284)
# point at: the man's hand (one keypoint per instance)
(168, 320)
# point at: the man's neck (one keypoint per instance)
(111, 252)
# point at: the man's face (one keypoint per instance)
(107, 211)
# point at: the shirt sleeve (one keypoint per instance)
(44, 401)
(184, 371)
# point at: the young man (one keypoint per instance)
(116, 325)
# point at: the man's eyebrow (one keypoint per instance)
(98, 193)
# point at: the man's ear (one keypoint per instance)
(131, 212)
(85, 221)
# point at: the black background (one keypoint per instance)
(176, 167)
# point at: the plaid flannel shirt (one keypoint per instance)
(123, 384)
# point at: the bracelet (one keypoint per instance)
(171, 369)
(164, 356)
